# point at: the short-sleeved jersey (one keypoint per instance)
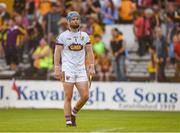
(73, 53)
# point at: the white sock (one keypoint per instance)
(68, 122)
(73, 113)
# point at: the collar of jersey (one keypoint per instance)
(73, 32)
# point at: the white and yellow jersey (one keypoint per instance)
(73, 53)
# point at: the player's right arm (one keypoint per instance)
(57, 56)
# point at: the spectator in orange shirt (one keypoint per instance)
(44, 7)
(126, 10)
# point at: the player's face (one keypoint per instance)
(74, 22)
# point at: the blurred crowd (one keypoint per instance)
(31, 29)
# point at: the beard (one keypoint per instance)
(75, 26)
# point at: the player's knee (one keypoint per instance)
(85, 97)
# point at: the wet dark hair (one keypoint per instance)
(116, 29)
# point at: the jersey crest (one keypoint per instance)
(75, 47)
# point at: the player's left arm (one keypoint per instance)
(90, 58)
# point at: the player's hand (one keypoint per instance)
(57, 73)
(91, 70)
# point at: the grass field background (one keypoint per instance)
(52, 120)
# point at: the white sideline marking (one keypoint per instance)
(106, 130)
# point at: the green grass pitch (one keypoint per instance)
(52, 120)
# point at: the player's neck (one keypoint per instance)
(74, 30)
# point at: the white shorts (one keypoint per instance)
(73, 76)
